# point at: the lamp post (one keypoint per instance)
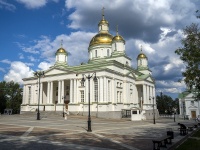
(174, 114)
(154, 121)
(83, 80)
(38, 74)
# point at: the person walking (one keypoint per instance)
(66, 113)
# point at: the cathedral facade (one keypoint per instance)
(117, 88)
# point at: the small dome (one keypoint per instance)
(61, 50)
(103, 21)
(118, 38)
(101, 38)
(141, 55)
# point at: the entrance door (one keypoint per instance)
(193, 113)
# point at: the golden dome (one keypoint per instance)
(61, 50)
(141, 55)
(101, 38)
(118, 38)
(103, 21)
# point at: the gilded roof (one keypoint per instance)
(101, 38)
(103, 21)
(118, 38)
(61, 50)
(141, 55)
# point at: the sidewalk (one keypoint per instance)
(25, 132)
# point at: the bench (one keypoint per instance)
(183, 129)
(190, 128)
(161, 142)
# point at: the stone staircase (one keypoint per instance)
(43, 114)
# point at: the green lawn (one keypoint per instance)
(191, 144)
(197, 134)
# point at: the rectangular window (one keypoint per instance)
(120, 97)
(82, 83)
(117, 96)
(82, 96)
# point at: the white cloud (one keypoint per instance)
(75, 44)
(6, 61)
(18, 71)
(27, 49)
(21, 56)
(2, 70)
(31, 4)
(6, 5)
(44, 65)
(31, 58)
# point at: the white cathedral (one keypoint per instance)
(119, 87)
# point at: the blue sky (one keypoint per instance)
(31, 31)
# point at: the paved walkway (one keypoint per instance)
(25, 132)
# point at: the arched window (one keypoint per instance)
(115, 46)
(108, 52)
(96, 53)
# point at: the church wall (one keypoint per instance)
(120, 46)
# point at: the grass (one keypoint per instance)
(191, 144)
(196, 134)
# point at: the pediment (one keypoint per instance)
(131, 74)
(192, 106)
(149, 79)
(55, 71)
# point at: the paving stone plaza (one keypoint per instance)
(25, 132)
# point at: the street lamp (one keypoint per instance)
(154, 121)
(174, 114)
(83, 80)
(64, 97)
(39, 74)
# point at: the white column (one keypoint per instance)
(41, 92)
(98, 80)
(71, 91)
(148, 94)
(75, 91)
(105, 89)
(59, 91)
(154, 95)
(62, 91)
(86, 90)
(100, 89)
(126, 93)
(32, 93)
(24, 95)
(135, 95)
(144, 94)
(48, 92)
(114, 91)
(51, 93)
(91, 90)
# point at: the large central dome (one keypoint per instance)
(101, 38)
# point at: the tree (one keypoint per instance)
(11, 96)
(190, 55)
(165, 104)
(2, 97)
